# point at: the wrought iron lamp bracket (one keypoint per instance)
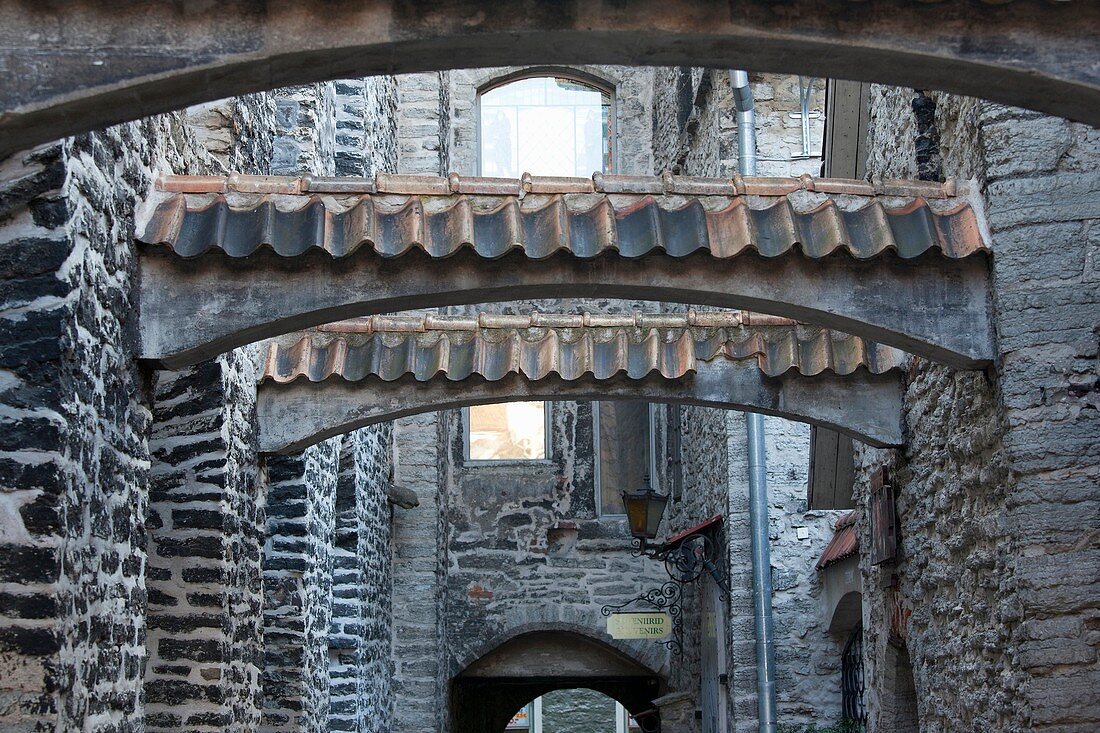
(685, 562)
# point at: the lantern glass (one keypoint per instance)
(644, 511)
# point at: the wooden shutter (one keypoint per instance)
(884, 532)
(832, 470)
(847, 117)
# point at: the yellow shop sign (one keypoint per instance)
(633, 625)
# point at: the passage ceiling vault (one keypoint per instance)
(324, 384)
(101, 62)
(230, 260)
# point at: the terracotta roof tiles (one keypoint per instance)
(540, 217)
(459, 350)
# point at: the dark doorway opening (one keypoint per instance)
(486, 695)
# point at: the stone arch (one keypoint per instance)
(555, 620)
(899, 695)
(536, 658)
(904, 263)
(866, 406)
(1026, 54)
(846, 614)
(485, 80)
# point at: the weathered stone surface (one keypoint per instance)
(1025, 54)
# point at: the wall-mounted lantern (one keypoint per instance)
(644, 510)
(686, 556)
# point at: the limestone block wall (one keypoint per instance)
(997, 496)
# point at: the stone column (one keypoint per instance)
(417, 645)
(1042, 193)
(361, 639)
(298, 588)
(205, 534)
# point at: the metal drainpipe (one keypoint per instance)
(758, 469)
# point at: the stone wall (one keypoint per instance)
(526, 550)
(360, 644)
(77, 416)
(297, 564)
(807, 657)
(997, 493)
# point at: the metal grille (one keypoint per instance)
(851, 684)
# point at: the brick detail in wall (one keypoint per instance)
(297, 572)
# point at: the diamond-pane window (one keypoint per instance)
(545, 126)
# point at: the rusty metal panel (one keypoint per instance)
(884, 532)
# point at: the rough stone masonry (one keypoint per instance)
(157, 574)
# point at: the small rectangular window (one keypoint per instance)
(508, 431)
(624, 452)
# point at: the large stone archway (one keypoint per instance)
(486, 694)
(229, 260)
(322, 386)
(102, 63)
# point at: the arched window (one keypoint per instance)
(546, 126)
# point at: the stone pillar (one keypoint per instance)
(361, 639)
(1042, 194)
(298, 588)
(423, 123)
(205, 534)
(33, 245)
(305, 119)
(417, 566)
(366, 126)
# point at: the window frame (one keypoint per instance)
(467, 428)
(538, 72)
(597, 471)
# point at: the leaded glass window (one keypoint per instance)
(545, 126)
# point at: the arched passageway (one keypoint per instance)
(231, 260)
(322, 386)
(116, 62)
(486, 694)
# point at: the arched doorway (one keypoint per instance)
(899, 703)
(577, 710)
(486, 695)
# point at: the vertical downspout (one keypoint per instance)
(758, 470)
